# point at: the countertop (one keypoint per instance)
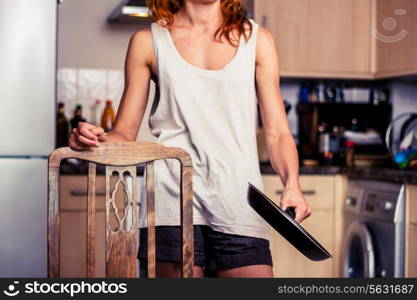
(81, 168)
(370, 173)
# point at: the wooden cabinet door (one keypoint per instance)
(288, 261)
(319, 37)
(411, 202)
(317, 189)
(411, 253)
(342, 38)
(73, 244)
(396, 45)
(73, 218)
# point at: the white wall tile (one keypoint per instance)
(67, 87)
(92, 85)
(115, 87)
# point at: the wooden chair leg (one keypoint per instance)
(53, 222)
(91, 220)
(150, 204)
(187, 226)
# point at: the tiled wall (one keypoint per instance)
(84, 86)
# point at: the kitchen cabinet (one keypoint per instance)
(324, 194)
(411, 231)
(364, 39)
(73, 217)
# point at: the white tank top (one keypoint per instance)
(211, 114)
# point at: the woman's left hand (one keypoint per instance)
(293, 197)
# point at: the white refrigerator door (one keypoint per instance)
(23, 217)
(27, 76)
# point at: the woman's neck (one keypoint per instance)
(199, 14)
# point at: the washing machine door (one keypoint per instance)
(359, 258)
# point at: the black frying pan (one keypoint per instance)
(284, 223)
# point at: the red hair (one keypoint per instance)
(233, 12)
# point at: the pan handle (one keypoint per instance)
(305, 192)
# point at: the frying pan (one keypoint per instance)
(283, 222)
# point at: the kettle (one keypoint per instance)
(394, 139)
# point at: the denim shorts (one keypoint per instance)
(213, 250)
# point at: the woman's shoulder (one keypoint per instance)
(141, 43)
(142, 39)
(143, 35)
(266, 48)
(264, 36)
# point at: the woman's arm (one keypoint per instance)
(281, 147)
(136, 92)
(132, 106)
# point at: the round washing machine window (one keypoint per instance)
(359, 259)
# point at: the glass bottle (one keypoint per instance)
(62, 130)
(96, 113)
(326, 155)
(77, 116)
(108, 117)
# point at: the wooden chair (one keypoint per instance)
(121, 243)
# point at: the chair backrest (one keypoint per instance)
(121, 239)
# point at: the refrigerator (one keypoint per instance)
(28, 47)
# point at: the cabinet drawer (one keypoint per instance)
(289, 262)
(74, 244)
(317, 189)
(73, 192)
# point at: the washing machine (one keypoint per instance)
(373, 229)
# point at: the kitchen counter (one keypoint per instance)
(370, 173)
(385, 174)
(69, 168)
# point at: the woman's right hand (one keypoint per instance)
(86, 135)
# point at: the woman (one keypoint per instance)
(211, 66)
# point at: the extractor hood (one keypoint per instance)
(130, 11)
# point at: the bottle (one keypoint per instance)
(373, 96)
(326, 155)
(334, 144)
(303, 93)
(342, 144)
(340, 96)
(349, 154)
(77, 116)
(330, 93)
(62, 130)
(354, 125)
(321, 92)
(313, 95)
(108, 117)
(96, 113)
